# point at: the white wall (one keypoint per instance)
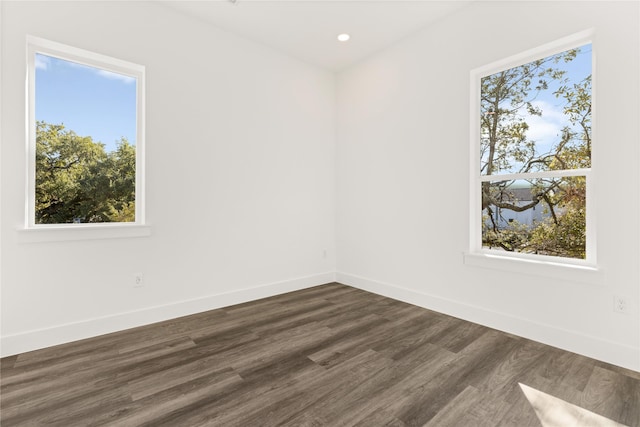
(241, 154)
(403, 176)
(240, 183)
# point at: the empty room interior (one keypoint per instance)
(430, 220)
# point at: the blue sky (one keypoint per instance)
(90, 101)
(546, 130)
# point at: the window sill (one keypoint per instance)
(61, 233)
(581, 273)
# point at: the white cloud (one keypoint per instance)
(42, 62)
(103, 73)
(545, 130)
(116, 76)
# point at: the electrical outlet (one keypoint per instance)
(138, 280)
(619, 304)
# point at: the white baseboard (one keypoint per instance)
(60, 334)
(610, 352)
(606, 351)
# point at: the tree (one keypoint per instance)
(77, 181)
(505, 148)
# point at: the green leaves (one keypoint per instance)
(510, 106)
(77, 181)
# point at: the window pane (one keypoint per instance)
(537, 116)
(85, 143)
(539, 216)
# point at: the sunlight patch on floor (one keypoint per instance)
(555, 412)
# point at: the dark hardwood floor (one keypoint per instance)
(325, 356)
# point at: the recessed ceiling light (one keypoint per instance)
(344, 37)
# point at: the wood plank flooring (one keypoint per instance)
(330, 355)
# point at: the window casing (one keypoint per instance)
(516, 191)
(128, 218)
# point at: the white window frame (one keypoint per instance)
(564, 267)
(47, 232)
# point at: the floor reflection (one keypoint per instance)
(555, 412)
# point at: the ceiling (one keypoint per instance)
(307, 29)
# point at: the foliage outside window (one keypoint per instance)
(78, 181)
(535, 156)
(85, 137)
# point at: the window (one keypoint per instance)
(86, 138)
(532, 155)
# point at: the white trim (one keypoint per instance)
(96, 60)
(85, 57)
(558, 46)
(535, 175)
(60, 334)
(537, 265)
(475, 199)
(71, 232)
(590, 346)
